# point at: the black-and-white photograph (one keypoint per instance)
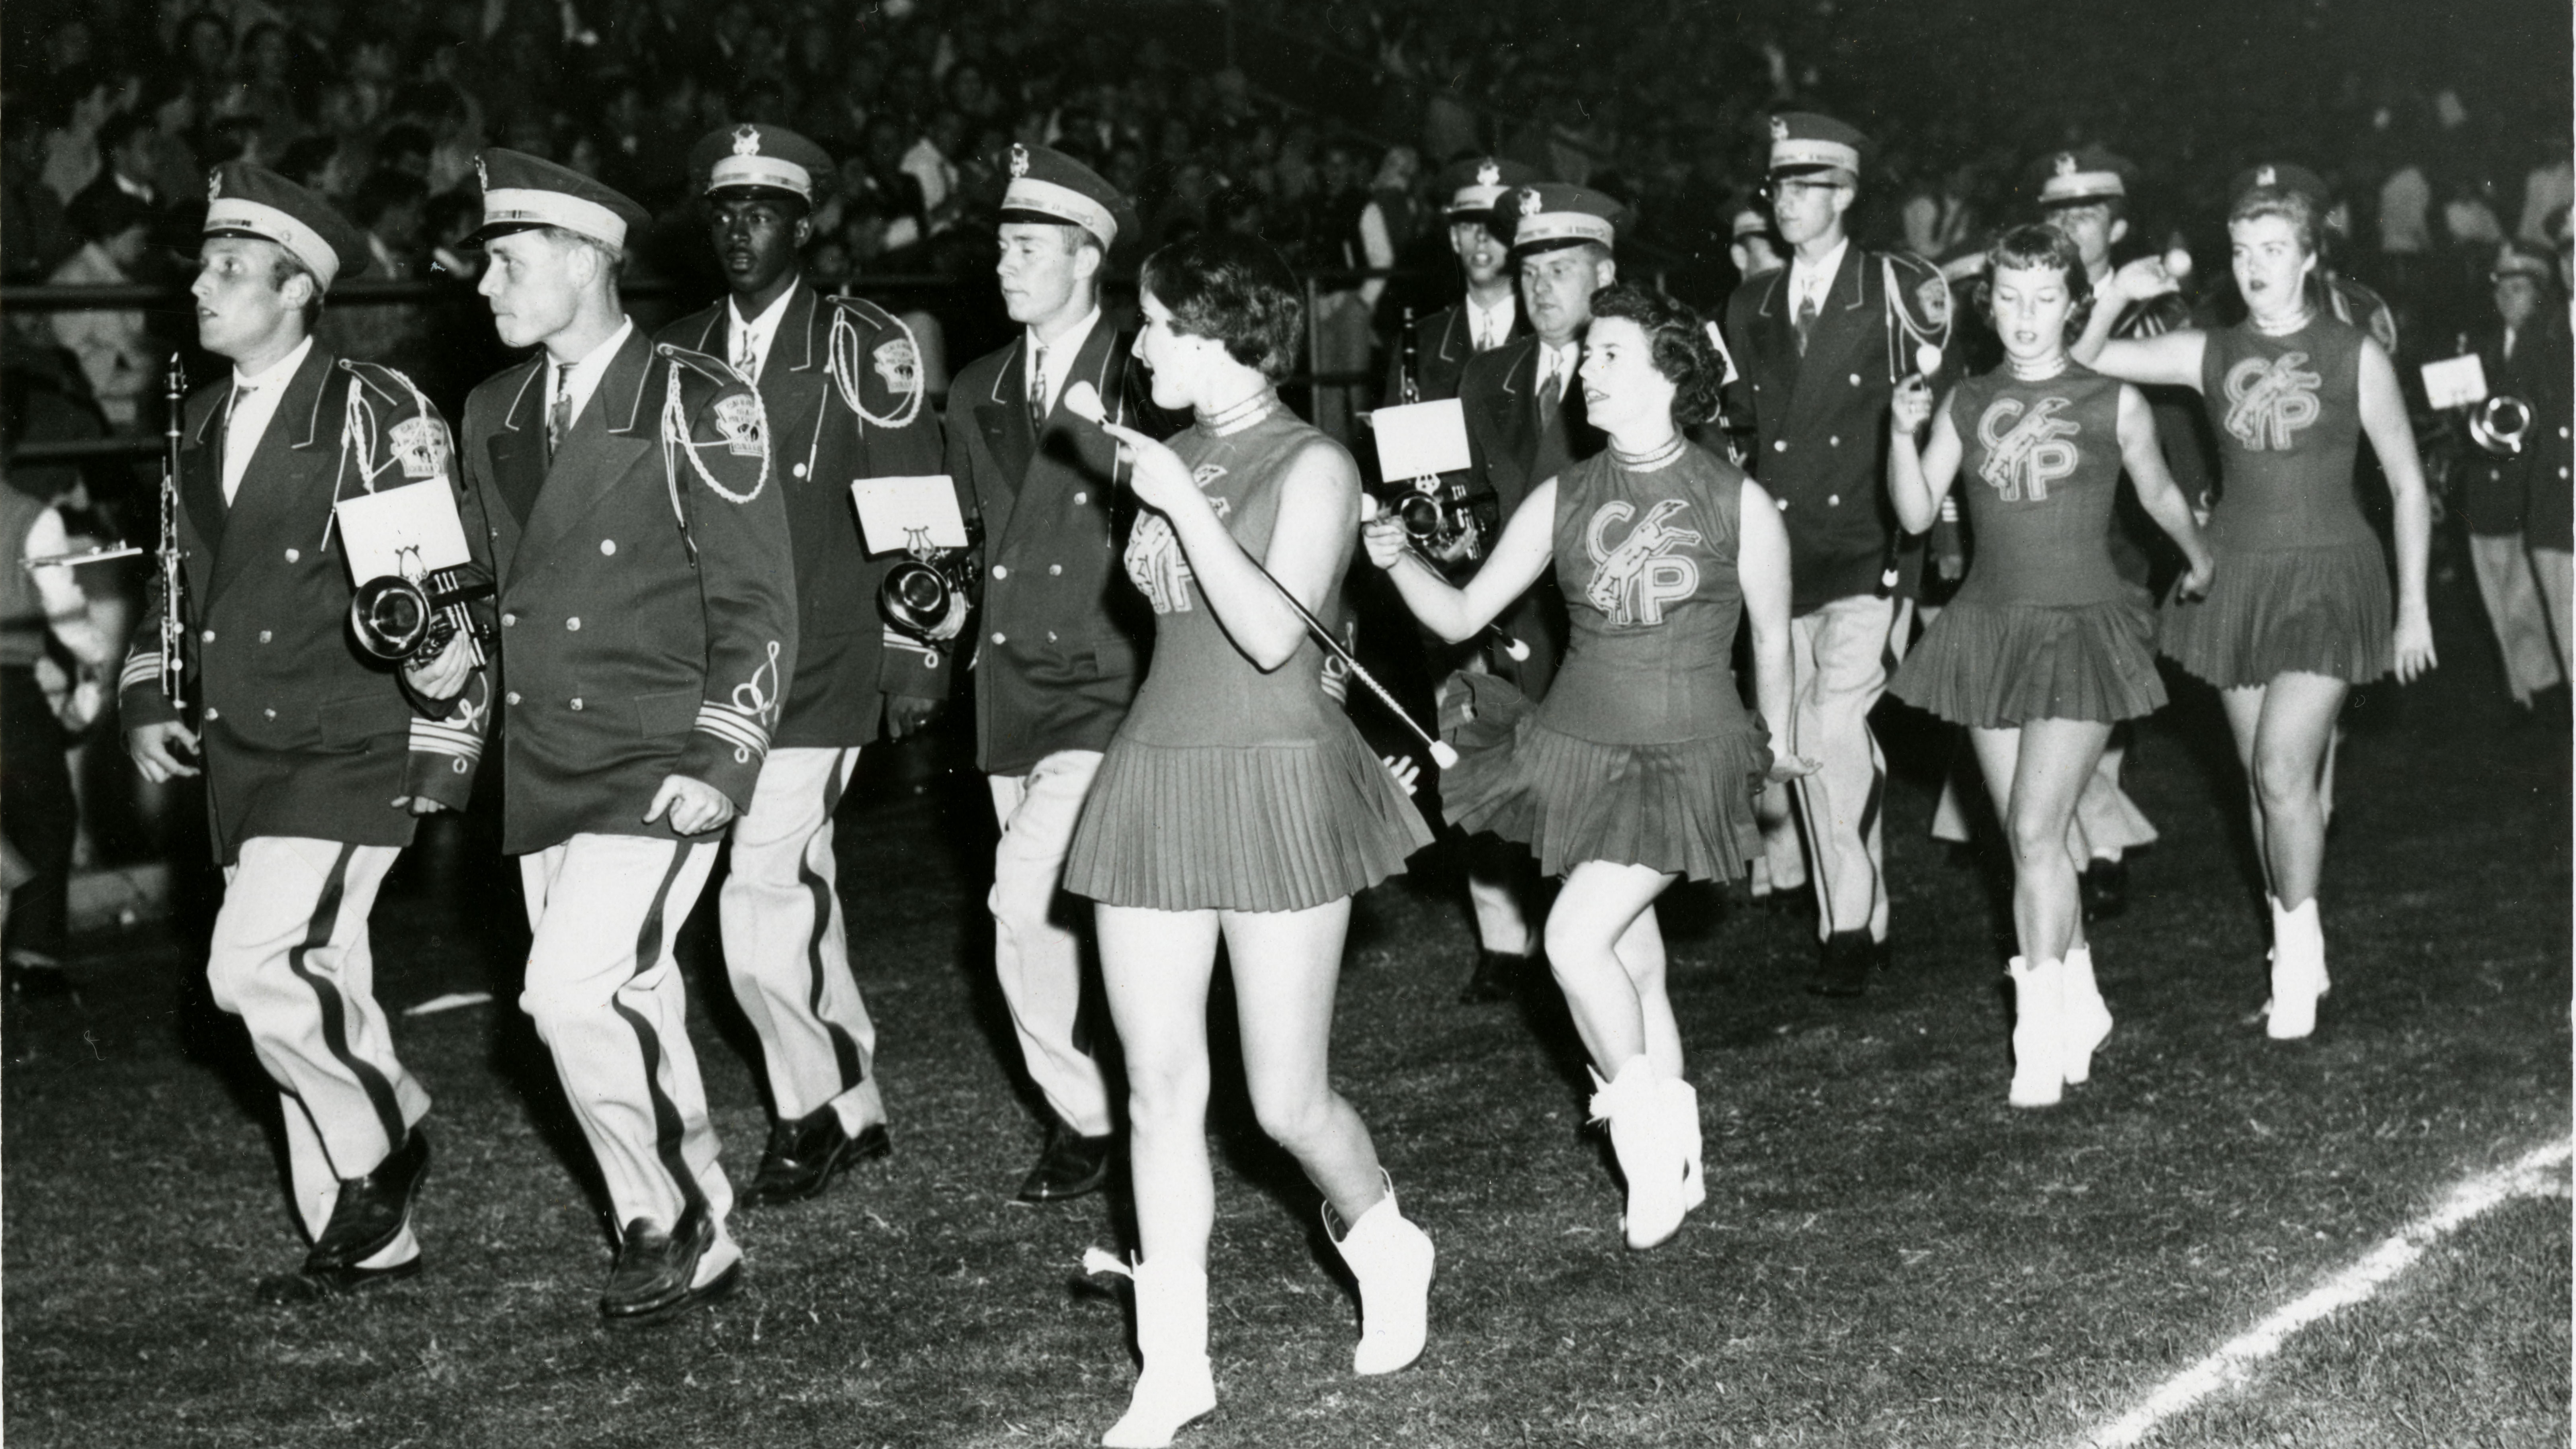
(1784, 724)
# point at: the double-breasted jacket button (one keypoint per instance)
(1001, 571)
(1833, 500)
(512, 697)
(608, 547)
(1780, 445)
(798, 470)
(294, 554)
(1054, 570)
(1855, 379)
(509, 621)
(576, 702)
(264, 636)
(998, 639)
(1086, 498)
(213, 713)
(1835, 441)
(272, 714)
(573, 623)
(207, 637)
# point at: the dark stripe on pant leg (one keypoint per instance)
(335, 1008)
(1869, 819)
(845, 1048)
(669, 1132)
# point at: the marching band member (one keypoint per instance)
(1642, 768)
(2524, 353)
(1489, 315)
(2047, 644)
(840, 381)
(1525, 423)
(2300, 611)
(1058, 648)
(648, 636)
(1820, 340)
(1237, 802)
(317, 759)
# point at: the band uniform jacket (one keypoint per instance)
(1512, 450)
(1443, 343)
(847, 659)
(302, 733)
(2517, 492)
(1060, 638)
(1820, 421)
(647, 590)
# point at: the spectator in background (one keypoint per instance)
(125, 144)
(114, 348)
(34, 235)
(2546, 191)
(73, 121)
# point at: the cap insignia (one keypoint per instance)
(1019, 160)
(2065, 163)
(1779, 128)
(1531, 204)
(2266, 176)
(482, 175)
(746, 140)
(215, 185)
(1489, 174)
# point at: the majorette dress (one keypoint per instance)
(2302, 585)
(1228, 787)
(1643, 752)
(2044, 627)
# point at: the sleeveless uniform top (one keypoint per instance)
(1200, 690)
(2286, 412)
(2040, 464)
(1646, 561)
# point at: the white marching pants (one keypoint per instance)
(607, 998)
(2554, 570)
(1037, 957)
(1840, 658)
(786, 942)
(290, 957)
(2517, 611)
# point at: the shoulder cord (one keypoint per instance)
(843, 362)
(358, 431)
(1900, 355)
(676, 441)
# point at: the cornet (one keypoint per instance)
(409, 617)
(2499, 424)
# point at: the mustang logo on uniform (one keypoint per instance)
(2268, 402)
(1634, 581)
(2023, 457)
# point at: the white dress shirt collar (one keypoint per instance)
(1558, 363)
(1056, 363)
(1816, 280)
(1490, 327)
(755, 333)
(253, 403)
(579, 379)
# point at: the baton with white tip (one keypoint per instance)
(1083, 401)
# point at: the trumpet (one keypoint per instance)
(924, 596)
(410, 616)
(2500, 424)
(174, 580)
(1438, 514)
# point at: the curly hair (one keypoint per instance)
(2290, 206)
(1677, 344)
(2038, 246)
(1234, 289)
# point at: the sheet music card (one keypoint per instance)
(2455, 382)
(409, 531)
(1417, 440)
(899, 514)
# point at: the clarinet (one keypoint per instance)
(174, 581)
(1409, 363)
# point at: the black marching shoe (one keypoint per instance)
(1495, 978)
(310, 1285)
(371, 1210)
(655, 1279)
(2104, 887)
(1069, 1166)
(1842, 965)
(805, 1155)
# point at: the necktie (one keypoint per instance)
(746, 359)
(1806, 321)
(1551, 394)
(558, 416)
(1037, 387)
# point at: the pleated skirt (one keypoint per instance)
(1685, 808)
(1240, 827)
(1999, 666)
(2278, 611)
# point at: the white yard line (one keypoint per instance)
(2534, 1175)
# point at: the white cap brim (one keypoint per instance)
(768, 171)
(518, 206)
(1542, 228)
(2082, 186)
(1064, 204)
(236, 214)
(1809, 151)
(1476, 198)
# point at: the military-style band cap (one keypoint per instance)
(2516, 260)
(253, 201)
(2281, 176)
(1478, 184)
(1050, 186)
(1554, 214)
(2087, 174)
(752, 157)
(522, 192)
(1806, 141)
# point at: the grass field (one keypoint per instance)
(1889, 1255)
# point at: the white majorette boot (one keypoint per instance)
(1681, 1099)
(2039, 1078)
(2298, 971)
(1171, 1333)
(1641, 1133)
(2087, 1020)
(1392, 1259)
